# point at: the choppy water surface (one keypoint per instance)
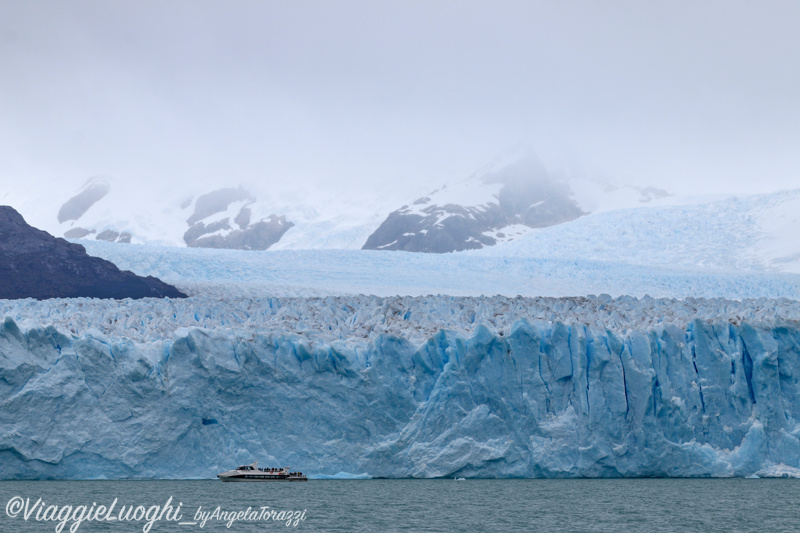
(418, 505)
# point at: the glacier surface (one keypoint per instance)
(400, 387)
(225, 273)
(750, 233)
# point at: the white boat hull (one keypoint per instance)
(239, 479)
(253, 473)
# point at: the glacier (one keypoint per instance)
(296, 273)
(435, 386)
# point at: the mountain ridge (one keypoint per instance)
(502, 203)
(34, 264)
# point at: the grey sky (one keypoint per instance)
(686, 94)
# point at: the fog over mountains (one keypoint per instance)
(515, 205)
(499, 203)
(489, 207)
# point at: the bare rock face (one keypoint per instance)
(92, 193)
(110, 235)
(211, 228)
(518, 194)
(436, 228)
(74, 208)
(216, 202)
(258, 236)
(78, 233)
(224, 218)
(34, 264)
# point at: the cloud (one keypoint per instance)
(399, 94)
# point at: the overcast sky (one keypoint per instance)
(684, 94)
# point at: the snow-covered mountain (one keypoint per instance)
(480, 211)
(497, 204)
(228, 217)
(224, 219)
(235, 216)
(513, 207)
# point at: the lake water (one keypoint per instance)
(414, 505)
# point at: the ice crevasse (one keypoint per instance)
(711, 397)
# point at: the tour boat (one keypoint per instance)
(253, 473)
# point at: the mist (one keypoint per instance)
(394, 96)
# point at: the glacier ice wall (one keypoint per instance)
(581, 391)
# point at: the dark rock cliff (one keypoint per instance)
(34, 264)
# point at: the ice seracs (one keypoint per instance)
(355, 386)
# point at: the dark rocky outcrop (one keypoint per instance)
(527, 196)
(249, 234)
(217, 201)
(208, 224)
(258, 236)
(440, 229)
(34, 264)
(110, 235)
(74, 208)
(77, 233)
